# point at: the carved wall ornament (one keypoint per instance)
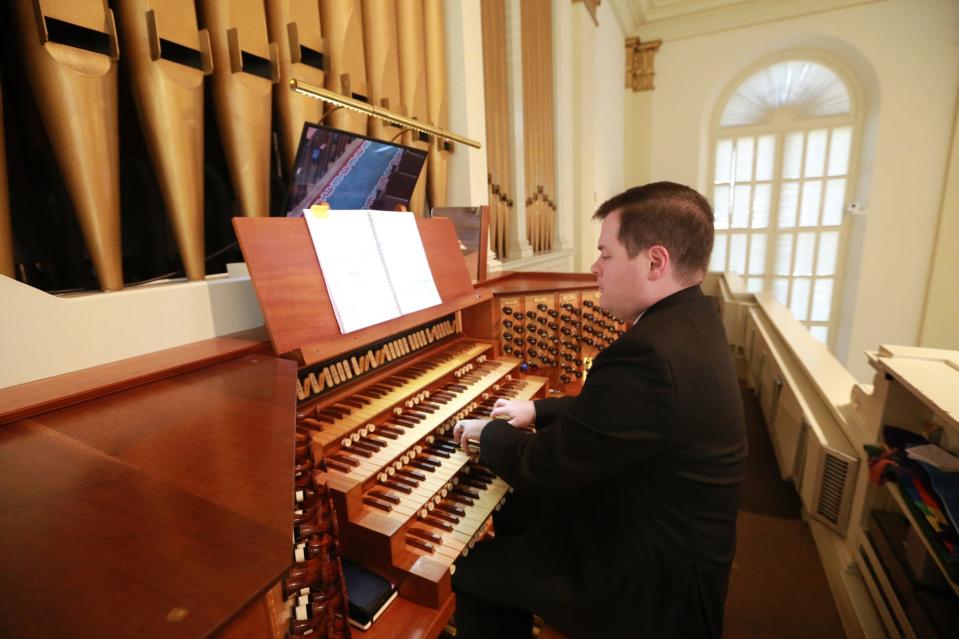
(639, 63)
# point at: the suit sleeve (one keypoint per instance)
(548, 410)
(621, 418)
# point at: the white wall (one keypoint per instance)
(599, 70)
(906, 55)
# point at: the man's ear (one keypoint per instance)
(658, 261)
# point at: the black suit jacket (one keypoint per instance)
(639, 478)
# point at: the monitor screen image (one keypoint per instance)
(349, 171)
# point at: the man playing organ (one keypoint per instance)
(636, 480)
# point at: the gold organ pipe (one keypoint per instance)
(382, 64)
(6, 233)
(169, 102)
(438, 102)
(294, 25)
(342, 22)
(76, 94)
(244, 70)
(410, 36)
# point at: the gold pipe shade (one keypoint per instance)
(73, 73)
(166, 57)
(368, 109)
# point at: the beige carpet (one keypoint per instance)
(777, 589)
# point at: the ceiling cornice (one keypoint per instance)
(678, 19)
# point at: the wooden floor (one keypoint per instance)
(777, 589)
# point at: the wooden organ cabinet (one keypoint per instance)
(191, 492)
(376, 406)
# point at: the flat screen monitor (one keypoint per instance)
(350, 171)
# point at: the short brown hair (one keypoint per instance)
(668, 214)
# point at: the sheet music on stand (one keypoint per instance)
(373, 263)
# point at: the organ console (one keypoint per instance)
(212, 489)
(377, 406)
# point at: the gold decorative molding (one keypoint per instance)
(592, 6)
(639, 63)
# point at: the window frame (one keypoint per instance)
(780, 129)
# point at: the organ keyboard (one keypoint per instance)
(376, 406)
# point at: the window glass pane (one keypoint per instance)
(815, 153)
(792, 155)
(717, 261)
(828, 251)
(724, 161)
(741, 206)
(754, 284)
(721, 207)
(757, 254)
(765, 157)
(805, 246)
(820, 332)
(788, 201)
(781, 289)
(761, 200)
(839, 151)
(833, 204)
(744, 159)
(809, 212)
(821, 300)
(799, 300)
(737, 253)
(784, 254)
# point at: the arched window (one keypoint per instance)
(783, 146)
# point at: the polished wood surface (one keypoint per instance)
(293, 295)
(161, 510)
(536, 282)
(26, 400)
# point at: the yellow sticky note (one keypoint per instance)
(320, 210)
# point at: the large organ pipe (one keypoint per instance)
(70, 51)
(166, 58)
(382, 63)
(438, 105)
(295, 28)
(244, 70)
(342, 22)
(6, 234)
(409, 14)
